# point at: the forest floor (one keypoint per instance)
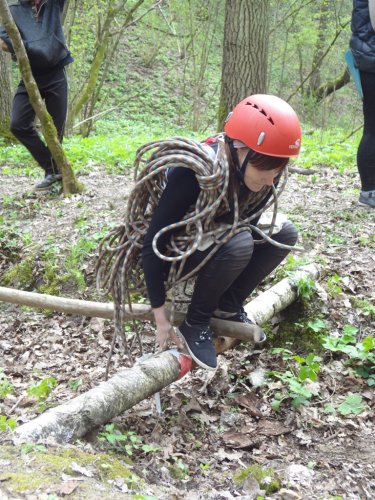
(218, 436)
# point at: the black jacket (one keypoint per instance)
(42, 34)
(362, 42)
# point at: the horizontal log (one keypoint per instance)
(106, 310)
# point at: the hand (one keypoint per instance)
(166, 334)
(165, 331)
(3, 46)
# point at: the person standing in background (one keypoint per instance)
(362, 45)
(40, 26)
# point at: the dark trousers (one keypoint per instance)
(234, 272)
(54, 90)
(366, 148)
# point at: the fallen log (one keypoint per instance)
(272, 301)
(106, 310)
(100, 405)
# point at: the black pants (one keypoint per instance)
(366, 149)
(54, 90)
(234, 272)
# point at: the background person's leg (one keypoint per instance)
(53, 90)
(366, 148)
(22, 125)
(266, 257)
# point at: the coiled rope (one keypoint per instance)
(119, 268)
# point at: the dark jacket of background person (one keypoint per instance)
(362, 42)
(41, 31)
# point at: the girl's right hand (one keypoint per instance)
(165, 331)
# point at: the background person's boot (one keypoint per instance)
(47, 182)
(367, 198)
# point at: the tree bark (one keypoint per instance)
(245, 53)
(77, 417)
(323, 18)
(70, 184)
(5, 94)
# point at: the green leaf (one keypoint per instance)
(275, 404)
(317, 325)
(350, 330)
(352, 405)
(329, 408)
(368, 343)
(299, 389)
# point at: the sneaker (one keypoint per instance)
(198, 341)
(239, 317)
(367, 198)
(47, 182)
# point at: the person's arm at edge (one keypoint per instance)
(4, 46)
(371, 8)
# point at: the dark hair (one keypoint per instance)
(260, 161)
(266, 162)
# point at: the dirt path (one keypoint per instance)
(213, 426)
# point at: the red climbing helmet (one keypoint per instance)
(266, 124)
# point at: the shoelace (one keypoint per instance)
(242, 316)
(205, 335)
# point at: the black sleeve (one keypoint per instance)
(62, 4)
(180, 193)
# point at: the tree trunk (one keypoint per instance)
(70, 184)
(244, 69)
(5, 94)
(315, 76)
(76, 418)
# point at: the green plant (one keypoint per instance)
(360, 354)
(41, 390)
(5, 386)
(306, 289)
(291, 264)
(178, 469)
(348, 344)
(333, 285)
(294, 378)
(75, 384)
(365, 306)
(124, 441)
(317, 325)
(32, 448)
(7, 424)
(352, 405)
(266, 477)
(335, 239)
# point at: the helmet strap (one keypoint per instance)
(240, 169)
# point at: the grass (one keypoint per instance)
(115, 142)
(329, 148)
(114, 146)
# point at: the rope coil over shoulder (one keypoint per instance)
(119, 266)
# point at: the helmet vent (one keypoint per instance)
(261, 110)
